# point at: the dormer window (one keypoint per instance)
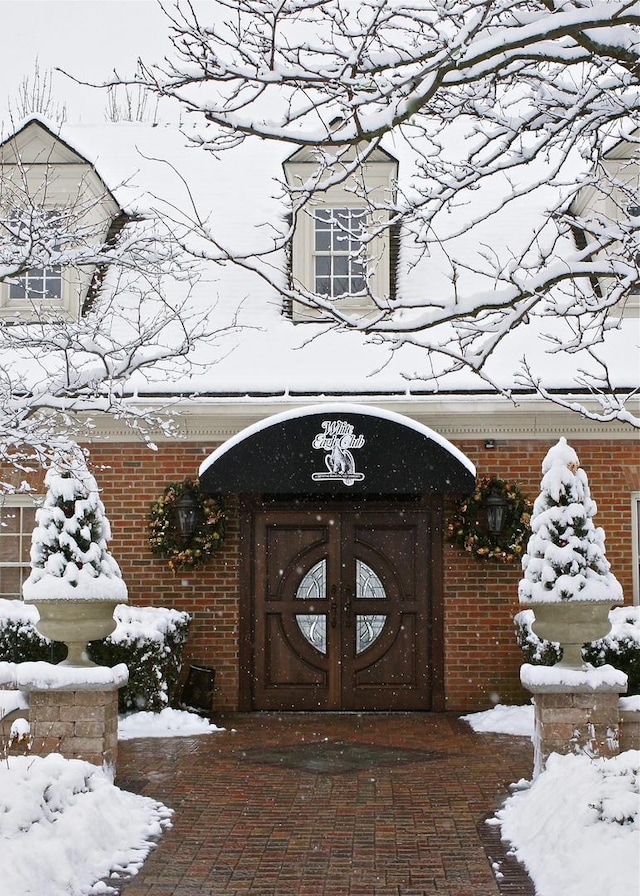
(38, 286)
(613, 198)
(341, 248)
(50, 199)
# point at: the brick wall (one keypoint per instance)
(482, 657)
(132, 479)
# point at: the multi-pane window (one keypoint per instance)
(38, 284)
(339, 267)
(17, 521)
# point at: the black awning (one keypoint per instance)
(337, 450)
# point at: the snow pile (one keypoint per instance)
(565, 557)
(64, 825)
(11, 700)
(16, 611)
(166, 723)
(41, 676)
(69, 555)
(576, 827)
(590, 678)
(624, 637)
(145, 623)
(503, 720)
(630, 704)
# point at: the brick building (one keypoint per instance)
(275, 610)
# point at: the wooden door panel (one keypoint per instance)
(283, 663)
(288, 672)
(283, 544)
(400, 548)
(396, 665)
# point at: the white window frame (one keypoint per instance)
(74, 282)
(635, 545)
(339, 226)
(379, 176)
(65, 301)
(17, 503)
(51, 289)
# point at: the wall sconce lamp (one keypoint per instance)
(187, 513)
(495, 507)
(489, 444)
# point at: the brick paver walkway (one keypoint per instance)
(326, 805)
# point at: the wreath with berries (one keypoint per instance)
(467, 527)
(165, 540)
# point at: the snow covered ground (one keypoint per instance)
(63, 823)
(575, 827)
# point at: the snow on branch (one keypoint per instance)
(96, 305)
(493, 109)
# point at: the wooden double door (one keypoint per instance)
(342, 609)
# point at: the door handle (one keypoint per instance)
(333, 607)
(346, 607)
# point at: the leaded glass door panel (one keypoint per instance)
(341, 617)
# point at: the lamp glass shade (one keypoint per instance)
(186, 511)
(495, 513)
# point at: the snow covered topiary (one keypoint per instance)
(69, 555)
(565, 559)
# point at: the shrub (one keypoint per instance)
(19, 639)
(149, 640)
(620, 649)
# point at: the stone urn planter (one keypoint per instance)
(75, 623)
(572, 624)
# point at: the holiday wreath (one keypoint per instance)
(468, 529)
(185, 552)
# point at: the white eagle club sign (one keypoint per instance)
(338, 440)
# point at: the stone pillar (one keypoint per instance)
(79, 724)
(576, 723)
(576, 711)
(629, 729)
(73, 710)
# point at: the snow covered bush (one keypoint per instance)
(69, 555)
(620, 648)
(149, 640)
(536, 650)
(565, 559)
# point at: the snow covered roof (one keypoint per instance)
(237, 195)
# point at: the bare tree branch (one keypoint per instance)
(497, 103)
(133, 320)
